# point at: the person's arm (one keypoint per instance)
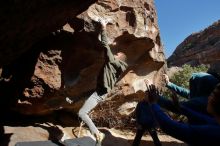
(179, 90)
(108, 53)
(197, 117)
(178, 130)
(191, 134)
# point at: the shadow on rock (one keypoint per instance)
(4, 138)
(55, 133)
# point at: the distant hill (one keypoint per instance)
(199, 48)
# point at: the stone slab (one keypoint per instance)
(84, 141)
(37, 143)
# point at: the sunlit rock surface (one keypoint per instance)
(199, 48)
(51, 51)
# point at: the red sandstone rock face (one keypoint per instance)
(23, 23)
(67, 61)
(199, 48)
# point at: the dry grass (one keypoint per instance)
(106, 115)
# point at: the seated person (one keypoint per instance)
(207, 133)
(201, 84)
(144, 117)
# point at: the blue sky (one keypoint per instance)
(179, 18)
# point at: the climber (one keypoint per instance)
(110, 72)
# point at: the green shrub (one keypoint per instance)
(181, 78)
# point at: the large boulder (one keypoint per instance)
(58, 54)
(23, 23)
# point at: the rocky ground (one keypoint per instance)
(49, 131)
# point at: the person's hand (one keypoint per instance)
(147, 82)
(103, 22)
(153, 93)
(166, 79)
